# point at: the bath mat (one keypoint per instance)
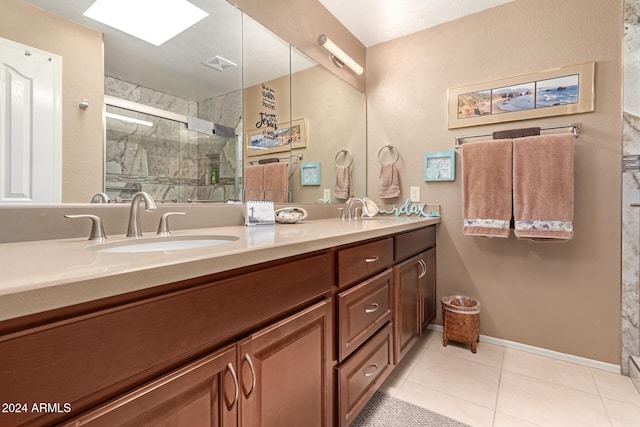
(386, 411)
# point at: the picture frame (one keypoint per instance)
(560, 91)
(288, 136)
(440, 166)
(310, 173)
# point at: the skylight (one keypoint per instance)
(150, 20)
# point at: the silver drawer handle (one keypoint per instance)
(423, 267)
(372, 259)
(373, 369)
(372, 308)
(253, 376)
(230, 405)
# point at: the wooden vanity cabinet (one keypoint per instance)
(88, 357)
(414, 288)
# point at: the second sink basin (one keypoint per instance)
(168, 243)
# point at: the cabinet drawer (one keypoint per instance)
(361, 375)
(362, 310)
(413, 242)
(359, 262)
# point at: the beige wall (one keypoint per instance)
(560, 296)
(82, 77)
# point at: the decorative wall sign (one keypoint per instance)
(408, 209)
(287, 136)
(566, 90)
(440, 166)
(310, 173)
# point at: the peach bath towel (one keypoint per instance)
(389, 183)
(276, 182)
(486, 187)
(543, 187)
(343, 188)
(254, 182)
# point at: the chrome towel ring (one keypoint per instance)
(346, 155)
(392, 148)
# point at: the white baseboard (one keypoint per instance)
(545, 352)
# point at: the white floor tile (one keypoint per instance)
(548, 404)
(445, 404)
(467, 380)
(504, 420)
(487, 354)
(547, 369)
(504, 387)
(616, 387)
(621, 414)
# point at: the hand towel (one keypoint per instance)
(389, 183)
(543, 187)
(486, 187)
(276, 182)
(253, 182)
(343, 188)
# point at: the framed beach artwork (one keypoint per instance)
(565, 90)
(287, 136)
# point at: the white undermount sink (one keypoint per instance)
(166, 243)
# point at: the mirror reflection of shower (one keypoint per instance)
(174, 157)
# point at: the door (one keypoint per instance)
(428, 287)
(285, 372)
(30, 124)
(202, 393)
(407, 322)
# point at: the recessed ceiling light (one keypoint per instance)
(150, 20)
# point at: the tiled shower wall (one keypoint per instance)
(168, 161)
(631, 187)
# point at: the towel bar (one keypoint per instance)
(573, 128)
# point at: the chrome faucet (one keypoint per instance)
(134, 229)
(100, 198)
(350, 204)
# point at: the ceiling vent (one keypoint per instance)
(219, 63)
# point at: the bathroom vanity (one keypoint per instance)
(296, 324)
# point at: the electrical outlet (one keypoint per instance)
(415, 194)
(326, 194)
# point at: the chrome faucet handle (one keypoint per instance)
(97, 230)
(341, 213)
(100, 198)
(163, 227)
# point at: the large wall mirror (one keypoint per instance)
(184, 120)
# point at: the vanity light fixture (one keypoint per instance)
(128, 119)
(150, 20)
(338, 56)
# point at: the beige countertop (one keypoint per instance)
(48, 274)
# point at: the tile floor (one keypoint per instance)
(504, 387)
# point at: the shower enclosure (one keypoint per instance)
(159, 151)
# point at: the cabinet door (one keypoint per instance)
(407, 305)
(202, 393)
(428, 287)
(285, 371)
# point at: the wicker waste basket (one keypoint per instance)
(461, 318)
